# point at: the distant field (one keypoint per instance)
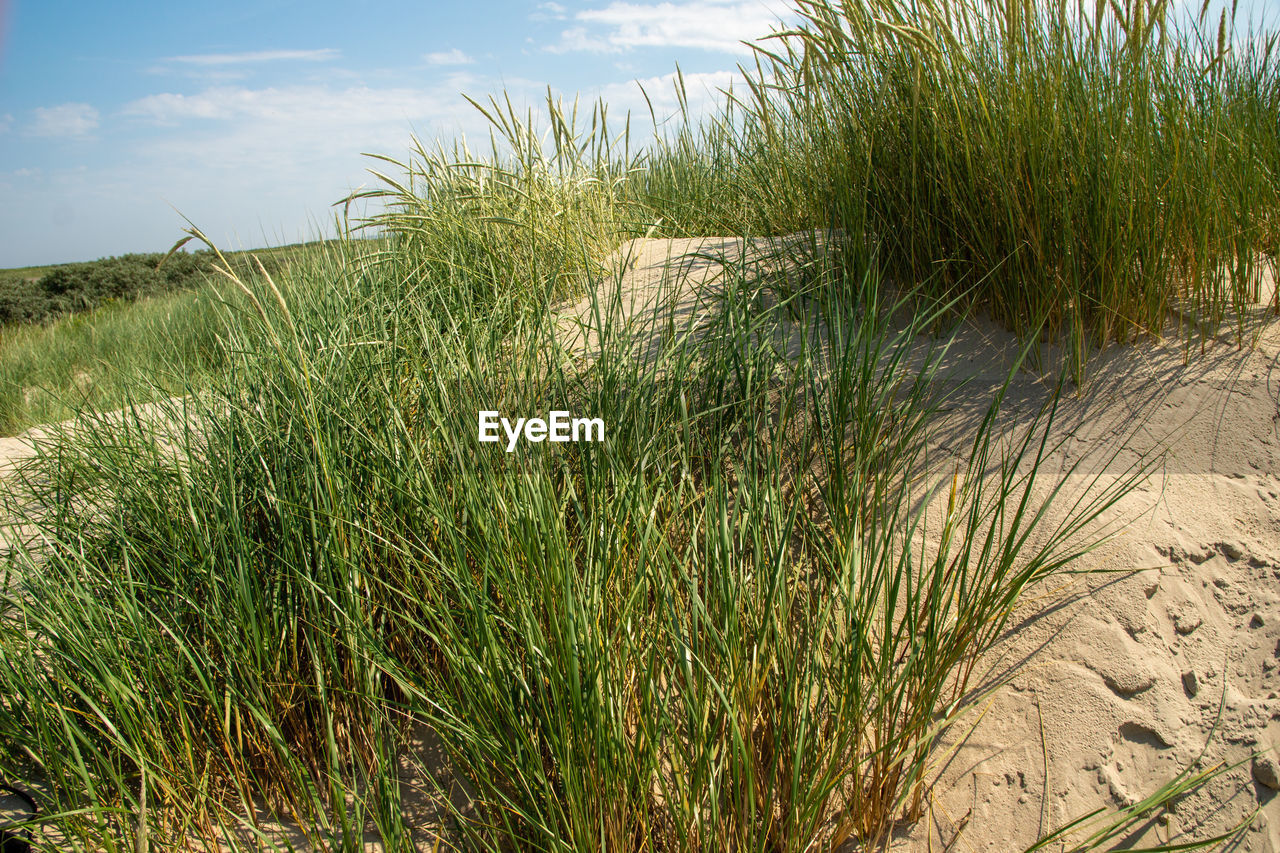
(100, 334)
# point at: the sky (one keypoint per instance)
(249, 119)
(121, 121)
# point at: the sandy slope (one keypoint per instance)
(1112, 682)
(1120, 677)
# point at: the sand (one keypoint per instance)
(1107, 684)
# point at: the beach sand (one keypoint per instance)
(1165, 649)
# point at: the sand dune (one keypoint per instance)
(1108, 683)
(1111, 682)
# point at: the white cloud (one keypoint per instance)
(577, 38)
(254, 57)
(258, 138)
(6, 122)
(718, 25)
(449, 57)
(550, 11)
(64, 120)
(249, 165)
(292, 105)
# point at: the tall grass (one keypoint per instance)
(1104, 168)
(723, 628)
(538, 207)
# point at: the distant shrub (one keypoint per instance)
(21, 301)
(73, 288)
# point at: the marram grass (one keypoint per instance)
(716, 631)
(1094, 172)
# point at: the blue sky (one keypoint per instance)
(249, 118)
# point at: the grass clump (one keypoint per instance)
(1103, 168)
(718, 629)
(541, 207)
